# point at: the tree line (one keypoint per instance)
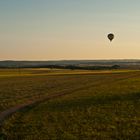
(71, 67)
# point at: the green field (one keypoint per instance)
(100, 105)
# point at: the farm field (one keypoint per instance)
(92, 104)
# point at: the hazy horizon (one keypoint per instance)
(64, 59)
(69, 30)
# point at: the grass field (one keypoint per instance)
(98, 105)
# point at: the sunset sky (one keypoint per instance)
(69, 29)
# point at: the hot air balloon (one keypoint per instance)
(110, 36)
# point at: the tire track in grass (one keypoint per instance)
(7, 113)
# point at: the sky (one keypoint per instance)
(69, 29)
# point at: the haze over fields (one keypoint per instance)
(69, 29)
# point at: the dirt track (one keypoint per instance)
(5, 114)
(9, 112)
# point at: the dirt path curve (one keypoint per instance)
(7, 113)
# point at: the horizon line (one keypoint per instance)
(114, 59)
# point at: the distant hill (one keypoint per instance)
(128, 64)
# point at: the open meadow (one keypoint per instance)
(74, 104)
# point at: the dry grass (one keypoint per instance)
(101, 106)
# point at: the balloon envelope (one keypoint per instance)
(110, 36)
